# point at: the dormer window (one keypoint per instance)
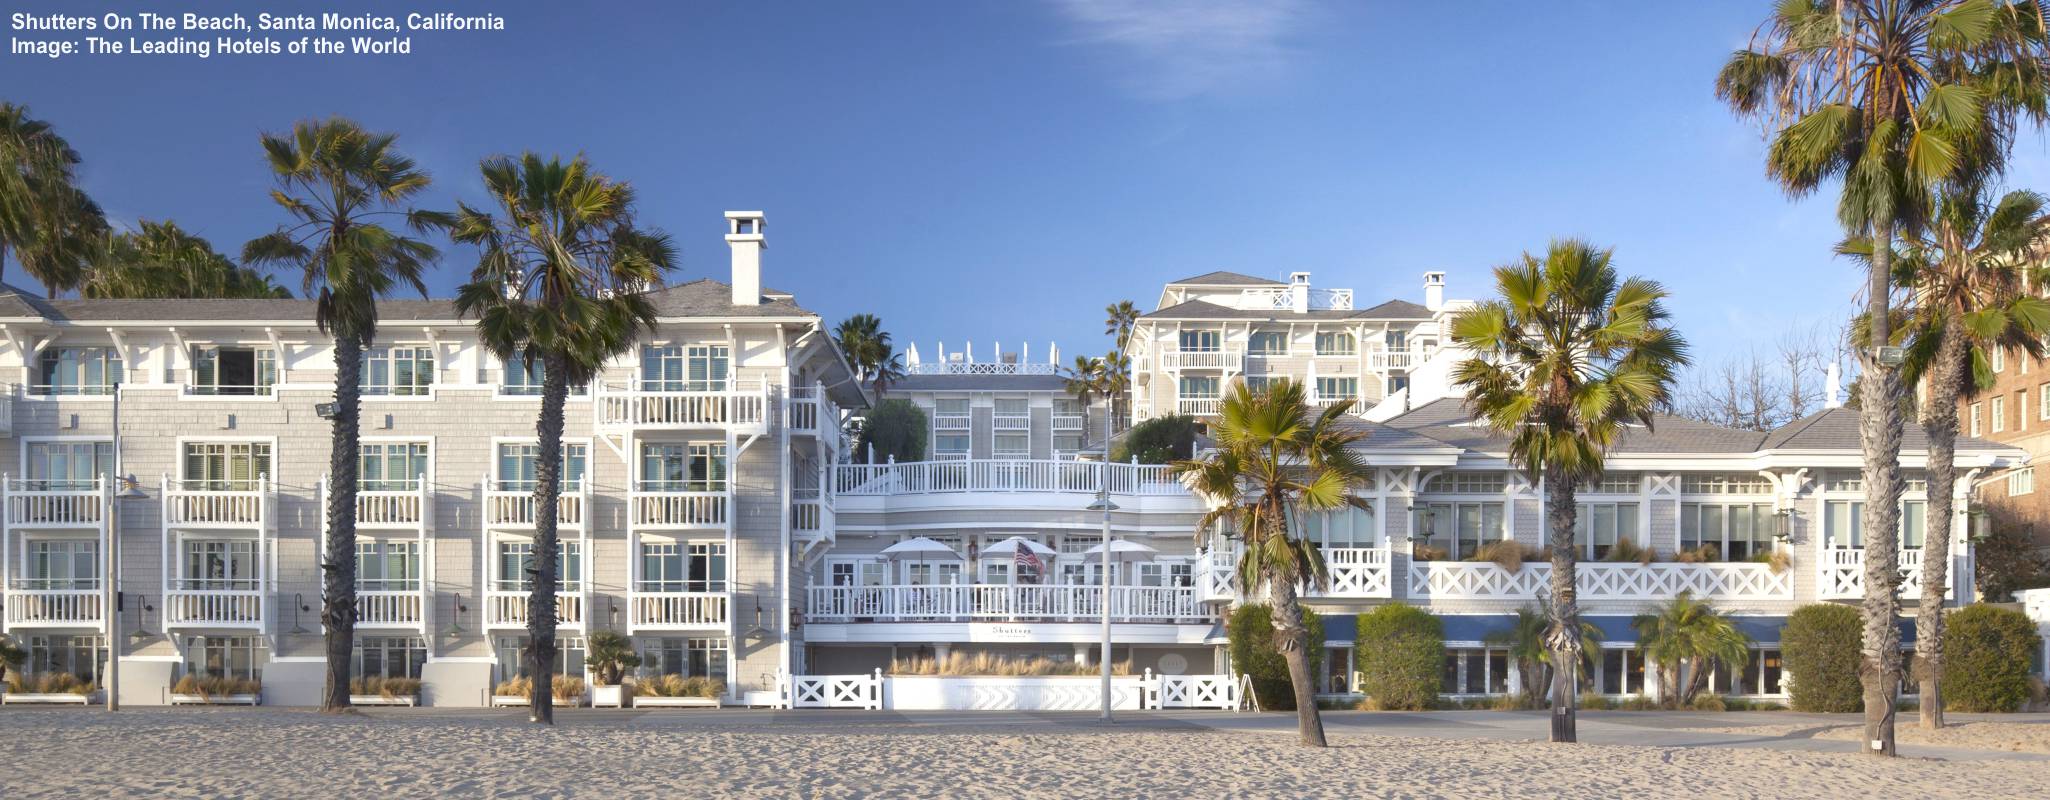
(78, 371)
(233, 371)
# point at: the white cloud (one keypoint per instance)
(1175, 49)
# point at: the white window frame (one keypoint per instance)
(1998, 411)
(2021, 482)
(391, 356)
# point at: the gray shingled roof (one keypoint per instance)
(1203, 310)
(1225, 278)
(979, 383)
(699, 298)
(1837, 429)
(1381, 436)
(1395, 309)
(1447, 420)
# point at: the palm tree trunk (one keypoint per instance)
(1696, 682)
(1292, 639)
(338, 578)
(1879, 432)
(541, 602)
(1564, 634)
(1939, 421)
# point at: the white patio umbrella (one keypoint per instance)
(1123, 550)
(918, 547)
(1011, 546)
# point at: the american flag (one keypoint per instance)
(1028, 562)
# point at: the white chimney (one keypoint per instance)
(1434, 290)
(1833, 389)
(744, 235)
(1299, 291)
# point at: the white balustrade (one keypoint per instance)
(963, 602)
(622, 406)
(227, 608)
(1214, 573)
(1198, 406)
(680, 609)
(952, 422)
(30, 505)
(1003, 475)
(54, 607)
(386, 508)
(1231, 358)
(1069, 422)
(1357, 572)
(835, 691)
(192, 505)
(808, 407)
(388, 608)
(1600, 580)
(679, 509)
(1843, 573)
(508, 609)
(516, 509)
(1012, 422)
(1191, 691)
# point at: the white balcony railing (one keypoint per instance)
(54, 607)
(515, 508)
(1012, 422)
(1357, 572)
(1069, 422)
(962, 602)
(1480, 580)
(1214, 573)
(675, 610)
(1843, 573)
(1022, 475)
(203, 504)
(1198, 406)
(1231, 358)
(810, 515)
(215, 608)
(386, 509)
(679, 509)
(389, 609)
(621, 405)
(508, 609)
(810, 411)
(952, 422)
(33, 503)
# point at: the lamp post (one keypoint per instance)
(129, 490)
(1104, 505)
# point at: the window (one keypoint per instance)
(1621, 672)
(2043, 401)
(234, 371)
(1396, 340)
(1199, 387)
(78, 656)
(1267, 343)
(1337, 343)
(226, 466)
(1161, 573)
(398, 371)
(677, 368)
(390, 656)
(1598, 526)
(238, 657)
(512, 656)
(1761, 675)
(67, 466)
(62, 564)
(1256, 384)
(219, 565)
(1207, 341)
(950, 445)
(78, 371)
(683, 467)
(1914, 523)
(2021, 481)
(1338, 671)
(1013, 413)
(1976, 409)
(1613, 483)
(683, 567)
(690, 657)
(951, 406)
(1334, 389)
(1345, 528)
(1727, 532)
(516, 557)
(1065, 444)
(1471, 482)
(524, 377)
(1069, 407)
(1999, 356)
(1459, 529)
(1013, 445)
(1999, 410)
(391, 466)
(1397, 383)
(1476, 671)
(1843, 524)
(2021, 410)
(1730, 483)
(516, 463)
(387, 566)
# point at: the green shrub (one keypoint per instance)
(1820, 650)
(1987, 652)
(895, 429)
(1401, 656)
(1158, 440)
(1251, 631)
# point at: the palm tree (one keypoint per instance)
(162, 261)
(888, 367)
(862, 338)
(46, 221)
(1894, 98)
(1970, 276)
(340, 185)
(1090, 377)
(1277, 459)
(1686, 637)
(1564, 358)
(561, 282)
(1120, 319)
(1525, 640)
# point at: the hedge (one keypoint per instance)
(1251, 631)
(1400, 655)
(1986, 657)
(1158, 440)
(895, 429)
(1820, 648)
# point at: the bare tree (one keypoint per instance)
(1762, 390)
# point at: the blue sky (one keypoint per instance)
(1001, 170)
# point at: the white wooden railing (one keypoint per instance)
(508, 609)
(1000, 602)
(953, 422)
(389, 608)
(1011, 422)
(810, 411)
(1214, 573)
(1069, 422)
(810, 514)
(188, 503)
(1229, 358)
(624, 406)
(384, 509)
(515, 509)
(222, 608)
(1357, 572)
(1198, 406)
(991, 475)
(1480, 580)
(54, 607)
(31, 503)
(653, 610)
(834, 691)
(1843, 573)
(1190, 691)
(679, 509)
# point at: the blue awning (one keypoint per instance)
(1340, 628)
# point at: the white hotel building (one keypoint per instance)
(716, 516)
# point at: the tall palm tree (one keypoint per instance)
(1090, 378)
(1564, 358)
(1971, 276)
(1277, 459)
(1120, 319)
(47, 223)
(1894, 98)
(862, 338)
(888, 367)
(162, 261)
(1686, 638)
(343, 189)
(561, 281)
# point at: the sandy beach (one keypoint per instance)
(273, 753)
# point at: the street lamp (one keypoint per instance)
(1104, 505)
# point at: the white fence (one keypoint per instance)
(680, 609)
(237, 608)
(1003, 475)
(999, 602)
(679, 509)
(621, 406)
(1843, 573)
(30, 503)
(875, 691)
(389, 608)
(505, 609)
(508, 509)
(1480, 580)
(836, 691)
(1357, 572)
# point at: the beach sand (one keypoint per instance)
(291, 753)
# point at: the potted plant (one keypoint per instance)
(609, 655)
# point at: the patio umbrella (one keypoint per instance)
(1012, 545)
(919, 547)
(1122, 550)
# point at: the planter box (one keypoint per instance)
(498, 700)
(53, 698)
(216, 700)
(608, 696)
(643, 701)
(1002, 693)
(380, 700)
(757, 698)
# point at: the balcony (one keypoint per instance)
(1357, 572)
(1198, 406)
(397, 608)
(47, 504)
(1600, 581)
(216, 504)
(1843, 574)
(203, 604)
(1215, 570)
(811, 516)
(509, 508)
(1012, 422)
(653, 611)
(952, 422)
(1021, 475)
(392, 509)
(77, 606)
(695, 509)
(621, 406)
(508, 609)
(1227, 359)
(1000, 602)
(810, 411)
(1394, 359)
(1069, 422)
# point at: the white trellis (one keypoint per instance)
(836, 691)
(1191, 691)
